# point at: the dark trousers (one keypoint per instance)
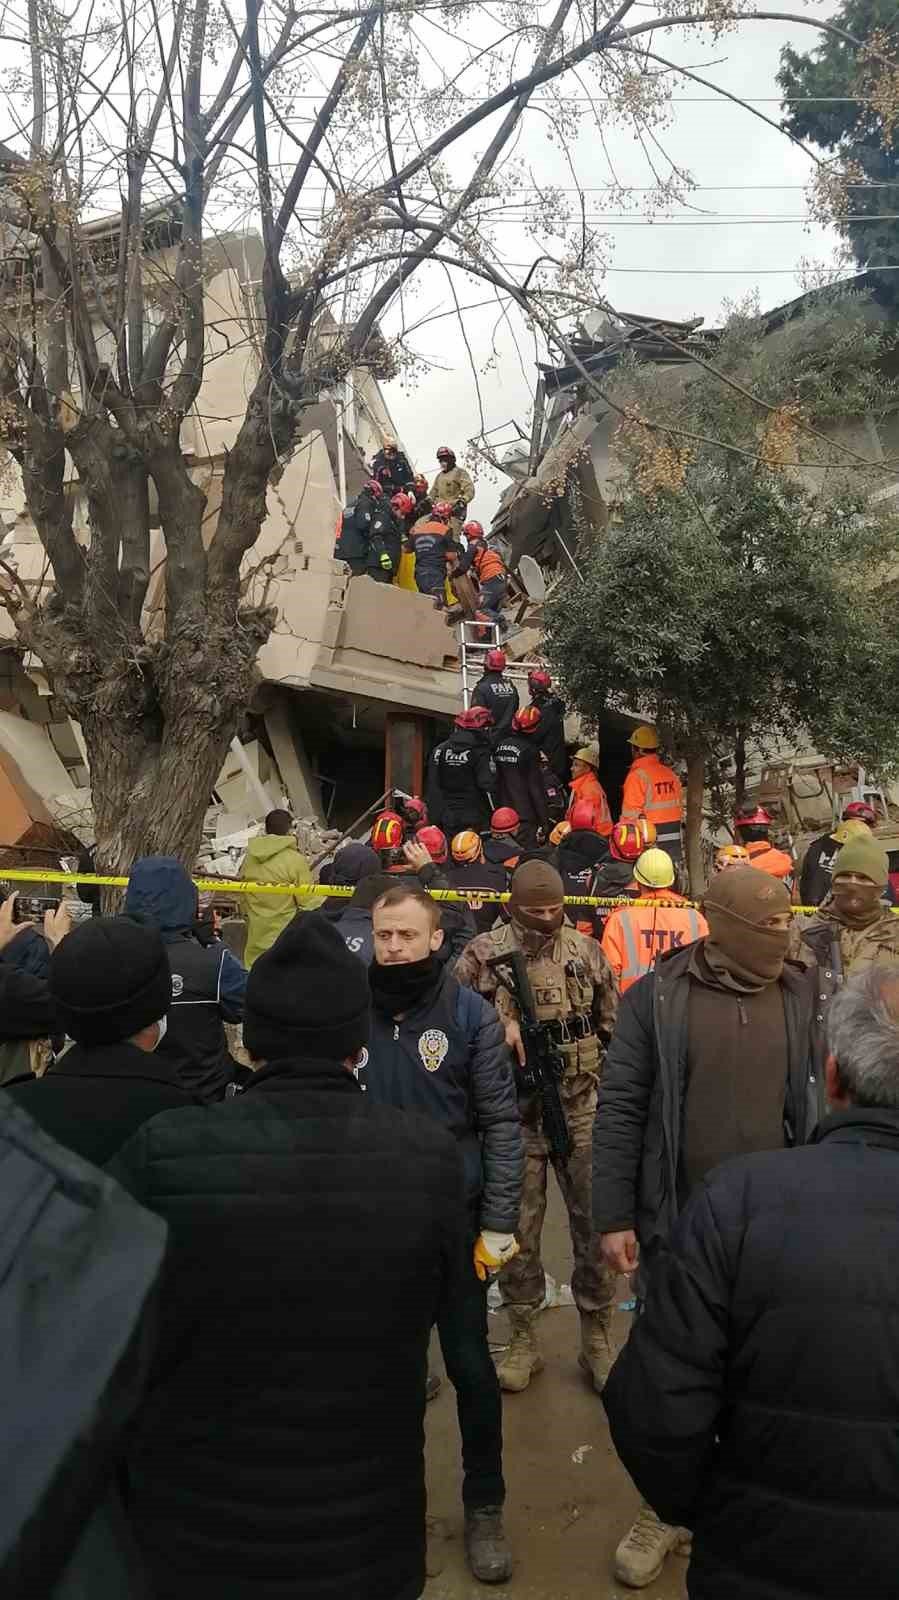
(493, 598)
(469, 1365)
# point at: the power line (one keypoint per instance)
(714, 272)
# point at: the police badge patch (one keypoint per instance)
(432, 1047)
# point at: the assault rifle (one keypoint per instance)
(544, 1062)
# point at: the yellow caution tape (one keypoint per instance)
(341, 891)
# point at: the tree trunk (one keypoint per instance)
(695, 791)
(739, 771)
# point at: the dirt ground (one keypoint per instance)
(569, 1501)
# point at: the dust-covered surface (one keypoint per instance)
(569, 1501)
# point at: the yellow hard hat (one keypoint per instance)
(655, 869)
(560, 832)
(853, 829)
(645, 738)
(588, 753)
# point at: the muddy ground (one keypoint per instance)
(569, 1500)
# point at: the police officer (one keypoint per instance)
(573, 986)
(438, 1049)
(519, 779)
(461, 775)
(496, 693)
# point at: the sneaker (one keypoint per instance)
(487, 1549)
(641, 1554)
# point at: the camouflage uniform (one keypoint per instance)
(594, 994)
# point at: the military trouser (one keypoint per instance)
(592, 1284)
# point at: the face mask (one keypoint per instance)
(534, 933)
(857, 904)
(162, 1026)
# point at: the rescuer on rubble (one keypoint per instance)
(552, 721)
(368, 536)
(391, 468)
(519, 783)
(487, 565)
(496, 693)
(461, 775)
(654, 791)
(429, 542)
(452, 484)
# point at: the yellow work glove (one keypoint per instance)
(492, 1251)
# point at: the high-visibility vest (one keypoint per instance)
(635, 935)
(588, 787)
(775, 862)
(487, 563)
(653, 791)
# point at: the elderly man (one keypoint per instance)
(713, 1057)
(760, 1385)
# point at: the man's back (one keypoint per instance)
(312, 1236)
(762, 1381)
(93, 1100)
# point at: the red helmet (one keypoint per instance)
(472, 530)
(444, 450)
(505, 820)
(753, 817)
(495, 661)
(387, 833)
(539, 678)
(415, 810)
(628, 840)
(583, 814)
(402, 503)
(443, 510)
(374, 487)
(476, 720)
(860, 811)
(434, 841)
(526, 721)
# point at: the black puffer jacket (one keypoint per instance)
(448, 1058)
(733, 1405)
(551, 733)
(637, 1133)
(314, 1237)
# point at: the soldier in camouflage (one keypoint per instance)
(573, 984)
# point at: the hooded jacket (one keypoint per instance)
(637, 1136)
(726, 1406)
(272, 858)
(208, 984)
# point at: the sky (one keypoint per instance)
(721, 250)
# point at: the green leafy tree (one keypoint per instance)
(741, 593)
(847, 103)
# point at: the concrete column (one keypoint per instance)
(293, 763)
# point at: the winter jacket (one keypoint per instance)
(93, 1099)
(498, 695)
(429, 542)
(461, 783)
(757, 1399)
(473, 877)
(639, 1120)
(502, 850)
(551, 732)
(29, 953)
(27, 1012)
(452, 485)
(355, 930)
(588, 787)
(392, 472)
(208, 984)
(314, 1237)
(839, 951)
(518, 779)
(272, 858)
(817, 870)
(366, 526)
(449, 1060)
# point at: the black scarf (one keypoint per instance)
(404, 985)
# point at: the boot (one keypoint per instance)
(596, 1355)
(486, 1546)
(641, 1554)
(522, 1360)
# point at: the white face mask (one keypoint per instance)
(162, 1026)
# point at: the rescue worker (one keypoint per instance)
(367, 536)
(496, 692)
(854, 927)
(553, 787)
(412, 812)
(728, 856)
(390, 467)
(428, 541)
(573, 986)
(405, 510)
(489, 569)
(817, 868)
(635, 935)
(654, 791)
(585, 785)
(552, 721)
(518, 779)
(751, 826)
(423, 1019)
(580, 852)
(461, 778)
(502, 846)
(472, 875)
(452, 484)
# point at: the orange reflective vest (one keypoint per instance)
(776, 862)
(635, 935)
(653, 791)
(588, 787)
(487, 563)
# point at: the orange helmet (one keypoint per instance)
(467, 846)
(731, 855)
(387, 833)
(526, 721)
(629, 839)
(560, 832)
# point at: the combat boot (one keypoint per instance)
(522, 1360)
(596, 1355)
(641, 1554)
(486, 1546)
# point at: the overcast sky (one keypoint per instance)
(743, 169)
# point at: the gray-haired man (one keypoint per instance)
(761, 1382)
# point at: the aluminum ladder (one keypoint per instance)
(473, 649)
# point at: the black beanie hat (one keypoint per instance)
(307, 995)
(110, 977)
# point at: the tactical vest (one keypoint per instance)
(563, 992)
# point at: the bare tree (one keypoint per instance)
(187, 114)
